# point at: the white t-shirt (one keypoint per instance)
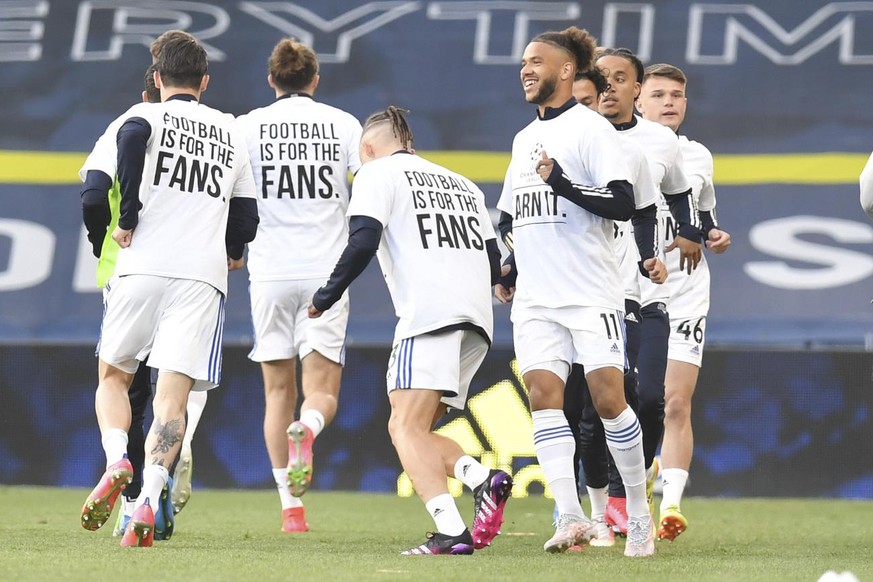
(866, 183)
(645, 194)
(301, 153)
(432, 251)
(661, 147)
(689, 294)
(104, 156)
(196, 160)
(565, 254)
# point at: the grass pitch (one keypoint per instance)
(235, 535)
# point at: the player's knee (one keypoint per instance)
(609, 403)
(168, 407)
(677, 409)
(403, 426)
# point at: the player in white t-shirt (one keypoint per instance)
(439, 255)
(625, 72)
(663, 100)
(301, 152)
(566, 184)
(578, 407)
(100, 207)
(866, 183)
(187, 210)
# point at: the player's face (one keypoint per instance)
(663, 100)
(585, 93)
(617, 102)
(541, 67)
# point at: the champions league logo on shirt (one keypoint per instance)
(536, 152)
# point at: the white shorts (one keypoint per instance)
(444, 362)
(283, 328)
(176, 323)
(554, 339)
(687, 338)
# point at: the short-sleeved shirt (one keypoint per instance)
(432, 252)
(565, 254)
(196, 161)
(301, 154)
(103, 158)
(689, 294)
(645, 194)
(666, 165)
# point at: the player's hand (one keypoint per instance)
(503, 294)
(544, 166)
(312, 311)
(656, 269)
(234, 264)
(718, 241)
(122, 237)
(689, 253)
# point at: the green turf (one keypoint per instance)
(234, 535)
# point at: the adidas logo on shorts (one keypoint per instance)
(695, 350)
(631, 317)
(615, 349)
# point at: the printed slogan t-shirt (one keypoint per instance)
(565, 254)
(196, 160)
(432, 251)
(301, 153)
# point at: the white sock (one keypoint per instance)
(313, 419)
(624, 437)
(674, 485)
(127, 506)
(598, 497)
(154, 479)
(280, 476)
(555, 445)
(196, 404)
(470, 472)
(445, 514)
(114, 444)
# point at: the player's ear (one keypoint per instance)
(270, 81)
(315, 81)
(157, 78)
(366, 151)
(204, 82)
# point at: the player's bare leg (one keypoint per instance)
(678, 445)
(113, 417)
(280, 399)
(162, 446)
(419, 450)
(321, 385)
(111, 401)
(184, 473)
(491, 487)
(624, 439)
